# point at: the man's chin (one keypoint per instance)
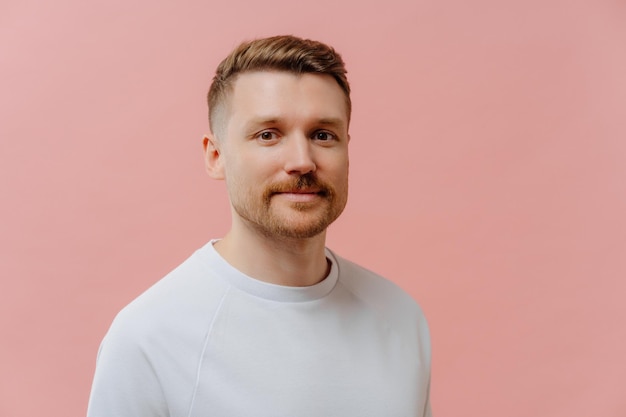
(292, 220)
(300, 229)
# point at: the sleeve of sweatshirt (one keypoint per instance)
(125, 383)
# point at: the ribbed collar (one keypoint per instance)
(280, 293)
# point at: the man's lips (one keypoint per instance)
(301, 195)
(300, 191)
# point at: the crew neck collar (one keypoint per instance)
(269, 291)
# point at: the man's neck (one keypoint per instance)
(281, 261)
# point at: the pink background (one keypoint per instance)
(488, 179)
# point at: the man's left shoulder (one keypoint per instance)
(375, 289)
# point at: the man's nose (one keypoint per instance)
(299, 158)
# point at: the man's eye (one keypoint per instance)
(323, 136)
(266, 135)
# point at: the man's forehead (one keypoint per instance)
(264, 89)
(237, 98)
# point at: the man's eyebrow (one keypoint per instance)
(332, 122)
(261, 121)
(270, 120)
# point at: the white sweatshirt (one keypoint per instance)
(209, 341)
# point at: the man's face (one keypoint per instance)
(284, 152)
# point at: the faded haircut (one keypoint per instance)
(278, 53)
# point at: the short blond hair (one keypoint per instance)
(278, 53)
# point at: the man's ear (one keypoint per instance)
(213, 157)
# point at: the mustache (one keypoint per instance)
(303, 182)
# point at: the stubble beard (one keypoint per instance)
(274, 223)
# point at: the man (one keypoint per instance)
(267, 321)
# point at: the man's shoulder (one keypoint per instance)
(376, 289)
(184, 295)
